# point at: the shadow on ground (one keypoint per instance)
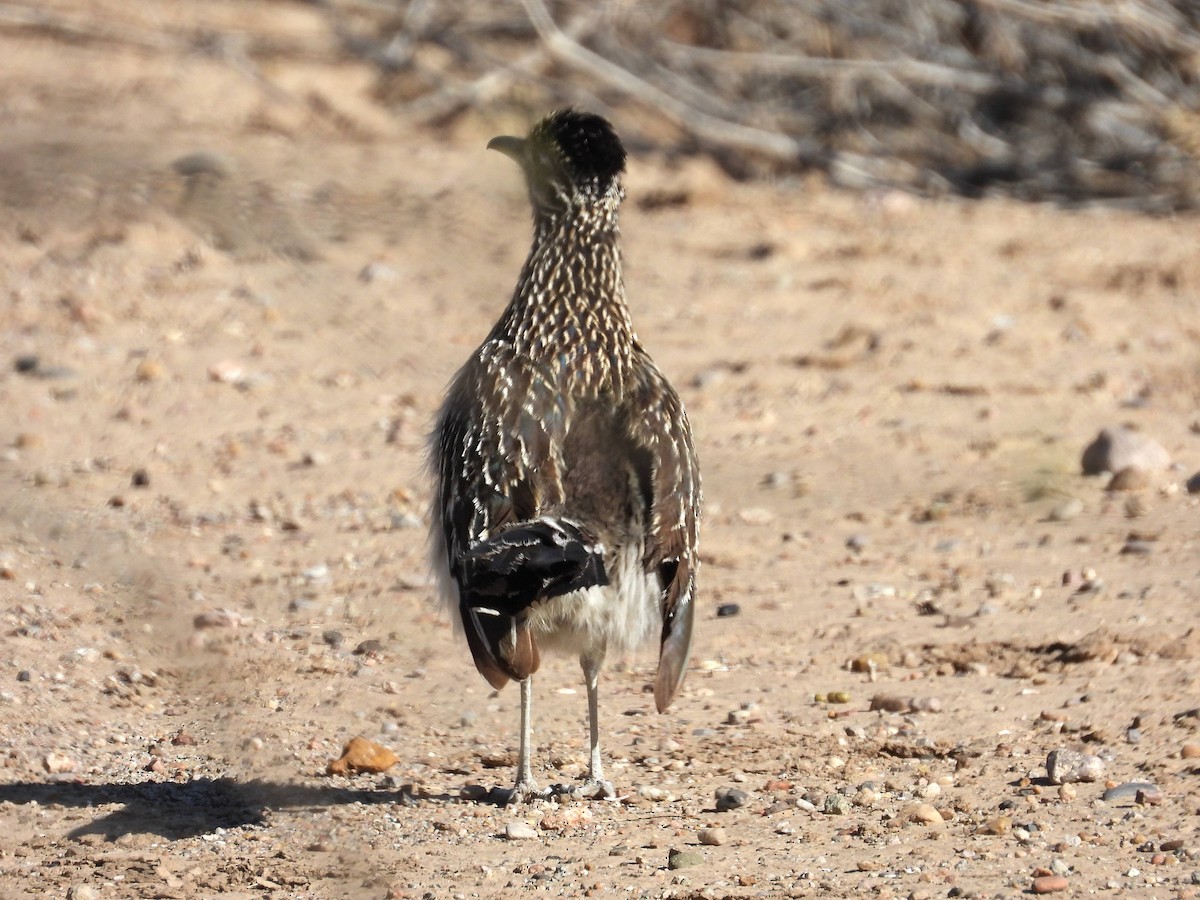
(182, 810)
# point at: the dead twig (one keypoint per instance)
(720, 132)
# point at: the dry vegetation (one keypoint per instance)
(1072, 101)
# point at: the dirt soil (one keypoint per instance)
(231, 297)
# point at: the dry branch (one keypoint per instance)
(709, 128)
(1073, 101)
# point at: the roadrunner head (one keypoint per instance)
(571, 160)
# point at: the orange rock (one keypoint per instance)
(361, 755)
(1048, 884)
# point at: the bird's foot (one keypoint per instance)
(592, 789)
(524, 791)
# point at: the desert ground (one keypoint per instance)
(231, 299)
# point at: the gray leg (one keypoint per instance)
(595, 786)
(526, 787)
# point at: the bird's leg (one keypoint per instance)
(526, 788)
(595, 787)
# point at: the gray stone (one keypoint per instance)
(836, 805)
(520, 831)
(1067, 510)
(731, 798)
(1130, 790)
(1067, 766)
(1118, 448)
(201, 162)
(683, 859)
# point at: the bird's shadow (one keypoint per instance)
(177, 810)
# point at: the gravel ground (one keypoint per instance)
(217, 379)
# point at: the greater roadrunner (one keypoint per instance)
(567, 500)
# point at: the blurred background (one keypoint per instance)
(1075, 101)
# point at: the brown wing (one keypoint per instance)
(495, 463)
(660, 428)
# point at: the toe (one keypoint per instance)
(595, 789)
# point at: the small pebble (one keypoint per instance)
(58, 763)
(869, 662)
(709, 378)
(377, 271)
(837, 805)
(741, 717)
(1048, 884)
(520, 831)
(140, 478)
(149, 370)
(777, 480)
(712, 837)
(1190, 751)
(922, 814)
(1129, 791)
(1149, 796)
(1067, 510)
(1118, 448)
(683, 859)
(370, 647)
(857, 542)
(227, 372)
(731, 798)
(204, 162)
(653, 794)
(218, 618)
(1130, 478)
(889, 703)
(474, 793)
(333, 638)
(362, 755)
(1066, 766)
(996, 825)
(82, 892)
(756, 515)
(26, 675)
(728, 610)
(1193, 484)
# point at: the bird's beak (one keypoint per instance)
(512, 147)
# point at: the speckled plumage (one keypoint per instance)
(567, 501)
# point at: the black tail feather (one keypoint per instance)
(530, 562)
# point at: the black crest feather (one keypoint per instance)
(588, 143)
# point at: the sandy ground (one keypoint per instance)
(216, 388)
